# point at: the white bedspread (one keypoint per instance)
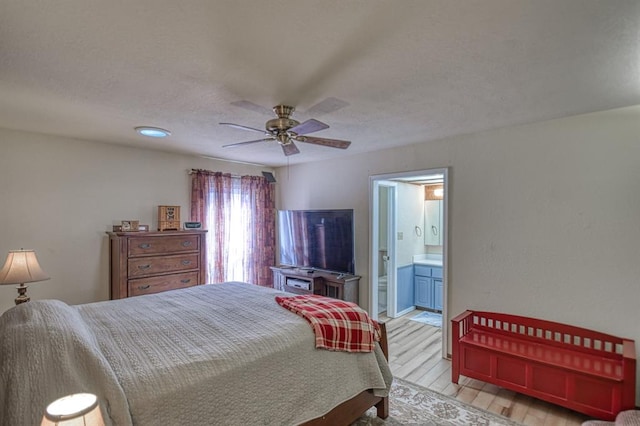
(223, 354)
(46, 352)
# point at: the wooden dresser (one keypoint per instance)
(152, 262)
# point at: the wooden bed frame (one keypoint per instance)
(349, 411)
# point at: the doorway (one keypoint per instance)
(398, 240)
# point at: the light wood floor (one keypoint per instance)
(415, 355)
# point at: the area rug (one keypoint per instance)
(411, 404)
(429, 318)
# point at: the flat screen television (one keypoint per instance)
(317, 239)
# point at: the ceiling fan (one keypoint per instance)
(286, 131)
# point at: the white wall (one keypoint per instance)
(59, 196)
(410, 214)
(544, 218)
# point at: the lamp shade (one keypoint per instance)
(80, 409)
(21, 267)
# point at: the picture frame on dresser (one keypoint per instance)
(153, 262)
(129, 225)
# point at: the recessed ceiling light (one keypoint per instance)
(153, 132)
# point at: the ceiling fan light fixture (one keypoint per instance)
(152, 132)
(283, 138)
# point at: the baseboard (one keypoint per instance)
(405, 312)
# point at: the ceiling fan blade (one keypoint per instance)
(246, 143)
(241, 127)
(333, 143)
(326, 106)
(290, 149)
(253, 107)
(309, 126)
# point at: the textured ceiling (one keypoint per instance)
(380, 73)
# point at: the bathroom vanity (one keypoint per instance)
(427, 278)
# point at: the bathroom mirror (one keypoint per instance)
(433, 221)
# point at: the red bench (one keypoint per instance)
(587, 371)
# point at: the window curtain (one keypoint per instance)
(239, 214)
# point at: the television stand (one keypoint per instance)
(314, 281)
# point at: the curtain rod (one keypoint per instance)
(232, 161)
(192, 171)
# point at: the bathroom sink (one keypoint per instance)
(427, 259)
(428, 262)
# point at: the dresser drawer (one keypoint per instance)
(145, 266)
(152, 285)
(169, 244)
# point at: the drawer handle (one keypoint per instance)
(185, 281)
(186, 262)
(143, 267)
(186, 243)
(144, 287)
(144, 246)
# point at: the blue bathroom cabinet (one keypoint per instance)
(428, 287)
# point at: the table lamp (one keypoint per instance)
(80, 409)
(21, 267)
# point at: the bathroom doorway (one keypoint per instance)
(399, 241)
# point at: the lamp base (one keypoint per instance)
(22, 294)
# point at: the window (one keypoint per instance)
(239, 214)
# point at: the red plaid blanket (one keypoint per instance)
(338, 325)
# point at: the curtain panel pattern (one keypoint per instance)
(239, 214)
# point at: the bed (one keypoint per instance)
(223, 354)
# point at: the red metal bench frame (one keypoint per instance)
(584, 370)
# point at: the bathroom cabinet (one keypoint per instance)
(428, 287)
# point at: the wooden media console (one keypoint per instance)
(314, 281)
